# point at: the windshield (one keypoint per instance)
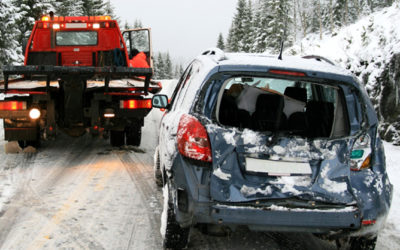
(76, 38)
(283, 105)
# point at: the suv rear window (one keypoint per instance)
(76, 38)
(281, 105)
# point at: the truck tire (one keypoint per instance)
(133, 135)
(24, 144)
(117, 138)
(175, 237)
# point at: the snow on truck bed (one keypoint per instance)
(123, 83)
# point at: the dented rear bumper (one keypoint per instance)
(276, 218)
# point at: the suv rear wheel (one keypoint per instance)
(363, 243)
(175, 237)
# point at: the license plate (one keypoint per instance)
(277, 168)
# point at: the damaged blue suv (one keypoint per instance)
(272, 144)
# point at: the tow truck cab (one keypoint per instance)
(83, 41)
(77, 75)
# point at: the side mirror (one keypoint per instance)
(159, 101)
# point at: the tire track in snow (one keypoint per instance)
(137, 172)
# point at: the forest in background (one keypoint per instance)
(261, 25)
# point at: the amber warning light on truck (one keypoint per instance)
(81, 22)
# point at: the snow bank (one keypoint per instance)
(389, 236)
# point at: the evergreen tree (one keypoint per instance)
(178, 71)
(159, 67)
(94, 7)
(248, 29)
(29, 11)
(109, 9)
(279, 25)
(168, 67)
(261, 20)
(138, 24)
(68, 8)
(220, 43)
(237, 31)
(10, 50)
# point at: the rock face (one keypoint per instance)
(389, 101)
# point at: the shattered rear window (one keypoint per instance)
(287, 106)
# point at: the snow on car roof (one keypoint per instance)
(288, 62)
(242, 61)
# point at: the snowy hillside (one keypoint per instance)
(362, 47)
(366, 48)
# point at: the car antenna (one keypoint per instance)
(284, 35)
(280, 53)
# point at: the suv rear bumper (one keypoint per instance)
(282, 219)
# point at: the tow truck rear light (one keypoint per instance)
(34, 113)
(56, 26)
(96, 26)
(193, 139)
(286, 72)
(12, 105)
(135, 104)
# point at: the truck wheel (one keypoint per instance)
(175, 236)
(117, 138)
(133, 135)
(24, 144)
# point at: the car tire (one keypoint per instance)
(363, 243)
(157, 169)
(117, 138)
(175, 237)
(133, 135)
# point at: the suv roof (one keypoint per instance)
(313, 66)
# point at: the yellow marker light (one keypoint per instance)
(56, 26)
(96, 26)
(45, 18)
(34, 113)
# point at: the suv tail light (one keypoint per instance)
(360, 157)
(193, 139)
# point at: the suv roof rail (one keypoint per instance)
(319, 58)
(215, 53)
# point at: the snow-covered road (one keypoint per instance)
(80, 193)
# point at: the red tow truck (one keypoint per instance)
(77, 77)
